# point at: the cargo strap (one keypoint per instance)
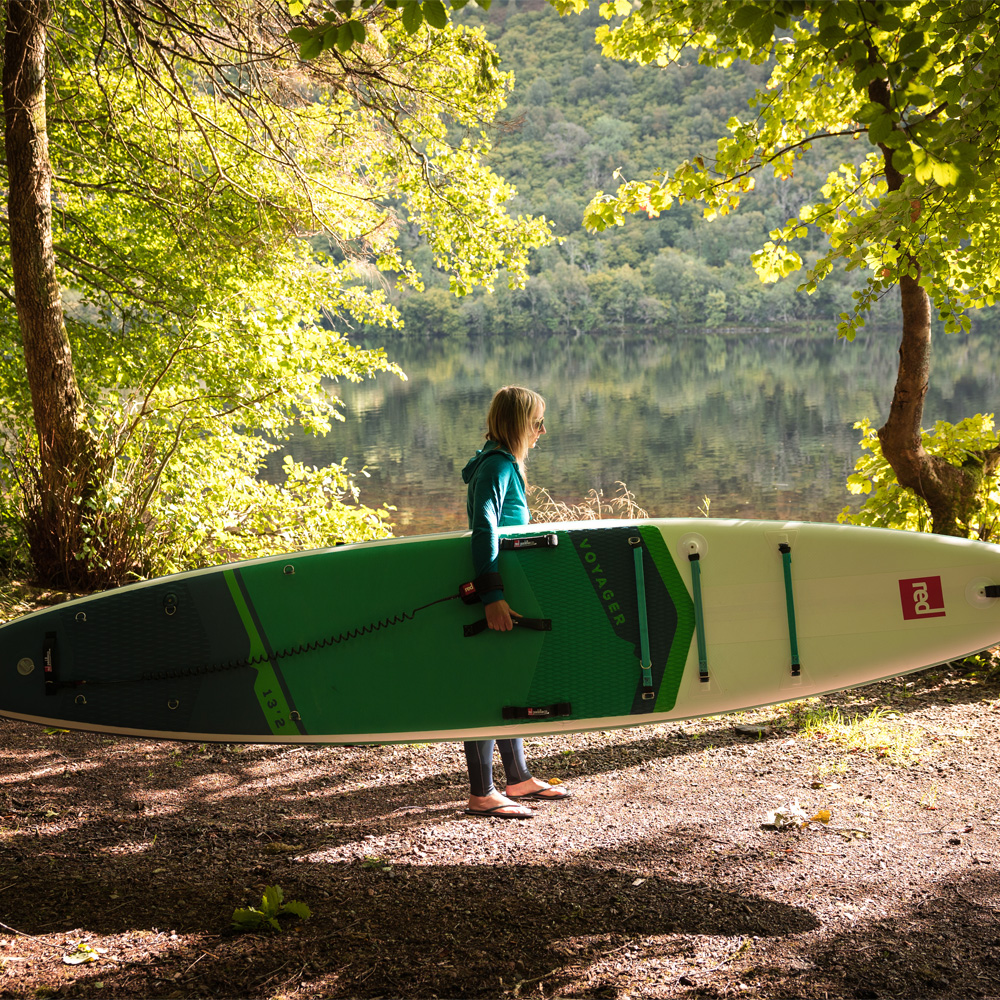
(786, 562)
(536, 624)
(699, 616)
(645, 660)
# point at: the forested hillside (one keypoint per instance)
(572, 119)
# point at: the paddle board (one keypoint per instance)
(624, 624)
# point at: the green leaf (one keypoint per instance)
(330, 36)
(745, 15)
(345, 37)
(435, 14)
(761, 31)
(902, 158)
(311, 48)
(879, 129)
(247, 918)
(869, 111)
(944, 173)
(271, 900)
(272, 907)
(910, 42)
(919, 96)
(413, 16)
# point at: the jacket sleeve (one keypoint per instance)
(489, 488)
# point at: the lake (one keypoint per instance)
(761, 425)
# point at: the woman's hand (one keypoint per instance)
(499, 616)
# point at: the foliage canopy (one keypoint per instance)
(920, 209)
(221, 215)
(889, 505)
(918, 81)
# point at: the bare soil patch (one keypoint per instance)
(655, 880)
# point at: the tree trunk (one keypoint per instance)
(951, 491)
(66, 451)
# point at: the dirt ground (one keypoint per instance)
(656, 879)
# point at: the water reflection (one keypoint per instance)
(761, 425)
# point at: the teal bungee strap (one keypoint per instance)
(645, 660)
(786, 562)
(699, 617)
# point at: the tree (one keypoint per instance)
(918, 207)
(190, 249)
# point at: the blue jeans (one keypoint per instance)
(479, 757)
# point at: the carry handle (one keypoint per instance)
(549, 541)
(536, 624)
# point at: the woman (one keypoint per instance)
(515, 422)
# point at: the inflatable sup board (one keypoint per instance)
(623, 624)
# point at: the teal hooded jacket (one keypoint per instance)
(497, 499)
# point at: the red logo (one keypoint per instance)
(922, 598)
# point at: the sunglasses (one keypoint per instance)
(538, 425)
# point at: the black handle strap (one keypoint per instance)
(530, 542)
(50, 663)
(536, 624)
(537, 711)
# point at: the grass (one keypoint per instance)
(878, 733)
(595, 506)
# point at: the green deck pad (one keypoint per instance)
(589, 583)
(386, 662)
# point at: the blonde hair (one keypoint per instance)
(510, 421)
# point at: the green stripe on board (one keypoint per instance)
(266, 687)
(673, 670)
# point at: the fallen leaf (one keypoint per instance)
(81, 954)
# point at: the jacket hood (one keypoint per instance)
(488, 451)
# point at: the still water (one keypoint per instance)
(760, 425)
